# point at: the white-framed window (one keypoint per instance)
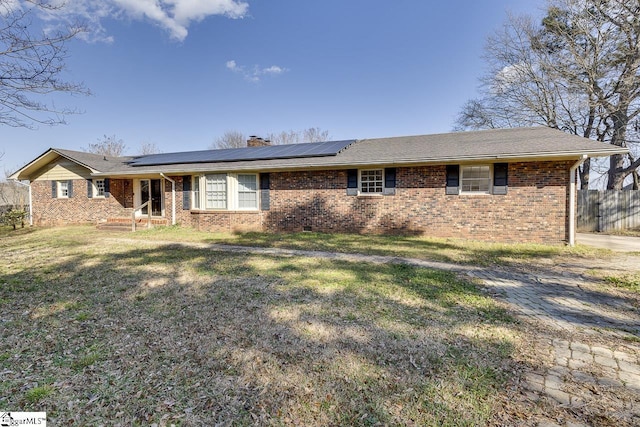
(247, 191)
(98, 188)
(475, 179)
(222, 191)
(216, 191)
(63, 189)
(371, 181)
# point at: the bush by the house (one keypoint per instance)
(13, 218)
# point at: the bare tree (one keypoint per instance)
(32, 64)
(108, 146)
(315, 135)
(230, 139)
(147, 148)
(284, 137)
(578, 71)
(236, 139)
(298, 137)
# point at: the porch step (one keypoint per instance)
(114, 226)
(124, 224)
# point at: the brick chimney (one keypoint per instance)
(255, 141)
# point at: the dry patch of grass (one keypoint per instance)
(426, 248)
(145, 333)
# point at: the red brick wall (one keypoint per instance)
(79, 209)
(534, 210)
(227, 221)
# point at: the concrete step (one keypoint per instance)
(114, 226)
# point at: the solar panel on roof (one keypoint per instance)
(316, 149)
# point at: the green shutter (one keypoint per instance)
(70, 188)
(54, 189)
(89, 188)
(107, 190)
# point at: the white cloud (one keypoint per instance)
(254, 74)
(174, 16)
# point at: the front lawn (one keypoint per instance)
(141, 333)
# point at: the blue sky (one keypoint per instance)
(182, 72)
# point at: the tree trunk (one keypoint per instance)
(616, 161)
(583, 172)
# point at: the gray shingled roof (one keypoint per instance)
(488, 145)
(522, 144)
(96, 162)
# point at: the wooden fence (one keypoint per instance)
(608, 210)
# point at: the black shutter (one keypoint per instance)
(107, 190)
(500, 178)
(453, 179)
(352, 182)
(186, 192)
(89, 188)
(265, 197)
(352, 178)
(70, 188)
(54, 189)
(390, 178)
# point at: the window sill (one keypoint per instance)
(474, 193)
(370, 196)
(222, 211)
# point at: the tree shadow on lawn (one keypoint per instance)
(420, 247)
(172, 334)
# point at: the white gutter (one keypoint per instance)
(173, 198)
(572, 200)
(30, 200)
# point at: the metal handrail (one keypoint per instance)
(133, 216)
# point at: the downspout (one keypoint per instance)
(572, 200)
(30, 200)
(173, 198)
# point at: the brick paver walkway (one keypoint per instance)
(581, 373)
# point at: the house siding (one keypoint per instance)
(534, 209)
(79, 209)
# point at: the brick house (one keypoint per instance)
(508, 185)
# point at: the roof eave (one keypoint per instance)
(40, 161)
(529, 157)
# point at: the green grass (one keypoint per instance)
(629, 281)
(426, 248)
(151, 331)
(37, 394)
(138, 333)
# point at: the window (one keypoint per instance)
(216, 191)
(371, 181)
(475, 179)
(247, 192)
(222, 191)
(63, 189)
(99, 188)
